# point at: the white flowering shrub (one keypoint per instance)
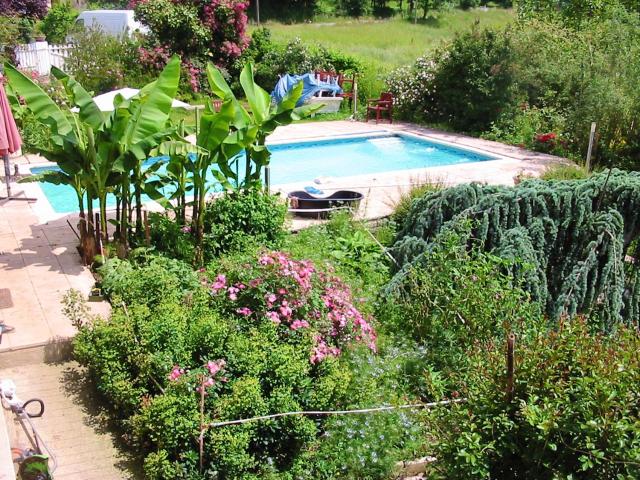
(413, 89)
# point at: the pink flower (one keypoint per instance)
(274, 317)
(215, 366)
(186, 229)
(176, 373)
(244, 311)
(297, 324)
(232, 291)
(285, 310)
(219, 284)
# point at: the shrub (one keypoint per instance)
(58, 22)
(574, 412)
(524, 126)
(34, 134)
(467, 83)
(454, 298)
(9, 32)
(238, 217)
(153, 359)
(153, 280)
(295, 297)
(197, 30)
(295, 57)
(574, 234)
(95, 60)
(171, 238)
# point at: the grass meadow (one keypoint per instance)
(391, 43)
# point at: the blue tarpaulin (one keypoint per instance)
(311, 86)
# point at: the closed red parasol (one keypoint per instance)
(10, 140)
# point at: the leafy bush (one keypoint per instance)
(197, 30)
(9, 32)
(273, 60)
(574, 412)
(96, 60)
(454, 298)
(263, 337)
(295, 295)
(466, 84)
(244, 216)
(58, 22)
(171, 238)
(541, 129)
(566, 79)
(34, 134)
(153, 280)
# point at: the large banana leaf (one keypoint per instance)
(214, 127)
(44, 109)
(88, 111)
(221, 89)
(151, 111)
(259, 100)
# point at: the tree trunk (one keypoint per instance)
(138, 193)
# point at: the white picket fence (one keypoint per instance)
(41, 56)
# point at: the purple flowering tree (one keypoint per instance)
(23, 8)
(197, 30)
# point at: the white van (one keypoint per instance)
(113, 22)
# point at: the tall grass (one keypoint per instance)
(389, 43)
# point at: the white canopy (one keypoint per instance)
(105, 101)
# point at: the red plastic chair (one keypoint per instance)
(380, 106)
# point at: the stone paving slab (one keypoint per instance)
(38, 264)
(72, 426)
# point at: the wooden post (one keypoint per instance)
(147, 229)
(258, 12)
(592, 135)
(511, 343)
(355, 96)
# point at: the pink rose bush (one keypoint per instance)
(298, 299)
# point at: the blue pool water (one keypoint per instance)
(303, 162)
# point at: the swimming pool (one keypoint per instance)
(338, 157)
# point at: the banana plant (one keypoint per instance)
(250, 129)
(133, 129)
(70, 145)
(101, 153)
